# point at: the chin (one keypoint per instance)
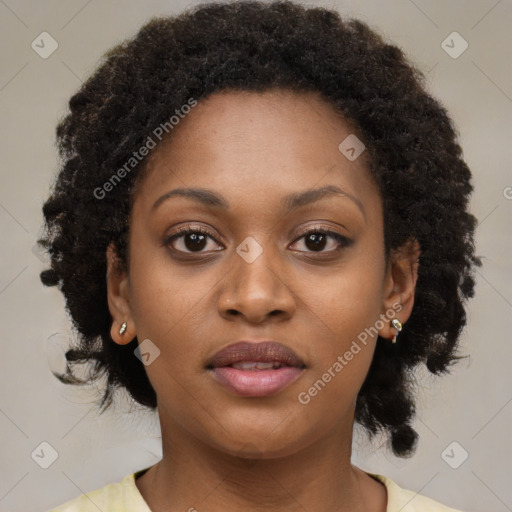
(270, 442)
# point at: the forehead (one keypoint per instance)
(257, 145)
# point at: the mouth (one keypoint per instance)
(256, 369)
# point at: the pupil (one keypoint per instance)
(198, 241)
(317, 244)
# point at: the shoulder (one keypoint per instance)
(115, 497)
(408, 501)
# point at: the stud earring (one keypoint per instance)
(398, 326)
(123, 328)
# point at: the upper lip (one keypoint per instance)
(263, 351)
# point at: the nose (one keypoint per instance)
(256, 291)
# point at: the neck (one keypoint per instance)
(195, 475)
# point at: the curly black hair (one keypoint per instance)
(414, 158)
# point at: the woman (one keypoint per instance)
(260, 228)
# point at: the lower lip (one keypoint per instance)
(256, 382)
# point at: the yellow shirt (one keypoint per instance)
(125, 497)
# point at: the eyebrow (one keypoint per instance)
(290, 202)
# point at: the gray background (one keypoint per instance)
(472, 406)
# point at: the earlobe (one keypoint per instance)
(122, 330)
(400, 287)
(121, 334)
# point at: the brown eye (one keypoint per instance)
(316, 240)
(192, 239)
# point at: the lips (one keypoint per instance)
(251, 369)
(244, 355)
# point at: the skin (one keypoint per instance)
(222, 451)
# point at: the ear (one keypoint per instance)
(118, 299)
(400, 285)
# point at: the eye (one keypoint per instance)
(316, 240)
(194, 239)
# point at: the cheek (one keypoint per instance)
(347, 301)
(345, 311)
(163, 295)
(171, 307)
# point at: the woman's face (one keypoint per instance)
(253, 276)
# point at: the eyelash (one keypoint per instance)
(342, 240)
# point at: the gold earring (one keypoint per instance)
(123, 328)
(398, 326)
